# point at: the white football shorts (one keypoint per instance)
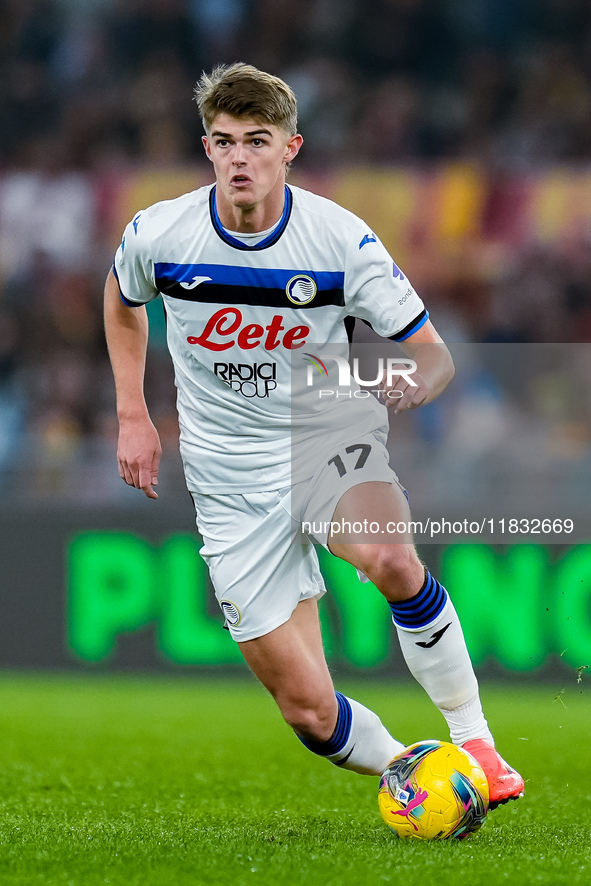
(260, 563)
(346, 465)
(258, 573)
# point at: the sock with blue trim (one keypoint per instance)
(434, 649)
(360, 741)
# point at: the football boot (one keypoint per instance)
(504, 783)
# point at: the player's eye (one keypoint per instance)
(257, 142)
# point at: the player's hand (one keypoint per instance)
(138, 455)
(401, 395)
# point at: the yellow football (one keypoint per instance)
(432, 791)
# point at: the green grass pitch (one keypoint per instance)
(148, 781)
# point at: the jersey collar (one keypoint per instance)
(238, 244)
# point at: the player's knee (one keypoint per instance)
(395, 570)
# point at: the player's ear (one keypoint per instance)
(292, 148)
(205, 141)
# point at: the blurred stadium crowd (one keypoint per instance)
(103, 81)
(91, 90)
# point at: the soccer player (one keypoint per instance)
(251, 270)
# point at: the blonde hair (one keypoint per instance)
(243, 91)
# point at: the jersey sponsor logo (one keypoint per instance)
(369, 238)
(232, 613)
(301, 289)
(195, 282)
(396, 272)
(225, 328)
(249, 379)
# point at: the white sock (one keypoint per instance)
(467, 722)
(360, 741)
(437, 657)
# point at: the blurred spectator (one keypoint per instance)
(45, 211)
(410, 37)
(139, 29)
(391, 128)
(12, 395)
(328, 105)
(222, 24)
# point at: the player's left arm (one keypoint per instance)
(435, 370)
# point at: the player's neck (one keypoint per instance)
(251, 219)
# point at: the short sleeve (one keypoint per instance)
(377, 291)
(133, 265)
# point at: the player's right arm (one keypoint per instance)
(139, 447)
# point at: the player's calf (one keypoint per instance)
(311, 722)
(359, 742)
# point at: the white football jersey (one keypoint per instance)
(237, 314)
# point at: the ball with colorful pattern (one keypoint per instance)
(433, 790)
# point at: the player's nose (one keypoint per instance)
(238, 155)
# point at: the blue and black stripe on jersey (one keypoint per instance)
(411, 327)
(256, 286)
(405, 333)
(234, 285)
(239, 244)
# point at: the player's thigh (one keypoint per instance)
(289, 661)
(373, 512)
(258, 573)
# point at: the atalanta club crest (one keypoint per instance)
(232, 613)
(301, 289)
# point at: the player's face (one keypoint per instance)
(249, 159)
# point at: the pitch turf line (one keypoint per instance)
(151, 782)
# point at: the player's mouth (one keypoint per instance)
(240, 181)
